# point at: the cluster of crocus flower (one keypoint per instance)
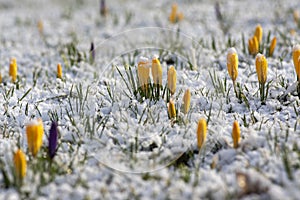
(261, 64)
(175, 16)
(255, 43)
(35, 132)
(144, 80)
(153, 89)
(202, 132)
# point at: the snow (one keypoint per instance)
(116, 146)
(231, 50)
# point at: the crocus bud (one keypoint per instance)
(92, 53)
(296, 16)
(59, 71)
(143, 71)
(232, 63)
(236, 132)
(296, 59)
(0, 78)
(272, 46)
(35, 132)
(172, 78)
(201, 133)
(103, 8)
(171, 109)
(173, 14)
(13, 69)
(186, 101)
(156, 71)
(53, 137)
(40, 26)
(253, 45)
(261, 68)
(20, 164)
(258, 33)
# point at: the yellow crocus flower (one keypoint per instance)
(173, 14)
(172, 79)
(35, 132)
(59, 71)
(201, 132)
(171, 109)
(232, 63)
(20, 164)
(186, 101)
(236, 132)
(13, 69)
(156, 71)
(143, 72)
(253, 45)
(258, 33)
(40, 26)
(296, 59)
(272, 46)
(261, 64)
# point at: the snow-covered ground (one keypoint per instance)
(112, 144)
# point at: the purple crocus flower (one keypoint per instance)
(92, 53)
(103, 9)
(53, 137)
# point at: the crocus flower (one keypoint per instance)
(53, 137)
(172, 78)
(143, 72)
(236, 132)
(201, 133)
(174, 15)
(186, 101)
(92, 52)
(253, 45)
(296, 16)
(232, 63)
(171, 109)
(13, 69)
(35, 132)
(59, 71)
(258, 33)
(103, 8)
(156, 71)
(261, 64)
(296, 59)
(20, 164)
(272, 46)
(40, 26)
